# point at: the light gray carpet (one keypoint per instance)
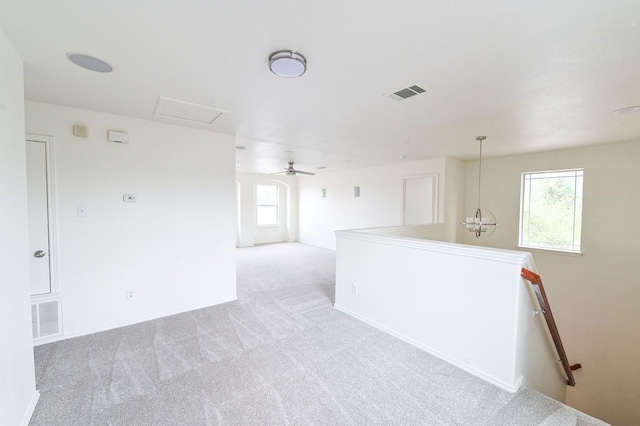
(279, 355)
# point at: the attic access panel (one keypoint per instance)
(174, 109)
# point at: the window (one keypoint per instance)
(267, 203)
(551, 210)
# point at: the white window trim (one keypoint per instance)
(552, 251)
(548, 250)
(277, 206)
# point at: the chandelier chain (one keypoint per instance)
(480, 138)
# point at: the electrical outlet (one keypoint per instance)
(129, 198)
(130, 293)
(354, 289)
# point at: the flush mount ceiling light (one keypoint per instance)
(287, 64)
(482, 224)
(89, 62)
(627, 109)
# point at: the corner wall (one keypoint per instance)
(454, 198)
(595, 297)
(18, 394)
(174, 247)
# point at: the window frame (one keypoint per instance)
(276, 205)
(578, 172)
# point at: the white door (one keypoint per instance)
(420, 200)
(38, 217)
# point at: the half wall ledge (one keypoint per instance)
(467, 305)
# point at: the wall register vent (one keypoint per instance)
(45, 319)
(406, 93)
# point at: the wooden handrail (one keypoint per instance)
(538, 289)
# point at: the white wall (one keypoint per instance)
(174, 246)
(380, 202)
(287, 230)
(466, 305)
(595, 297)
(17, 380)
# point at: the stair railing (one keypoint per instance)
(538, 289)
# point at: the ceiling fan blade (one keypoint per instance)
(290, 171)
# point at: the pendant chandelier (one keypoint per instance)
(483, 223)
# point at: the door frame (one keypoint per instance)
(51, 211)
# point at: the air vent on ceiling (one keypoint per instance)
(175, 110)
(406, 93)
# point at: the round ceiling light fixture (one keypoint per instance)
(89, 62)
(287, 64)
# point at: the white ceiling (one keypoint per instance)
(531, 75)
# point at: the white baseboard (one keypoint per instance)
(512, 388)
(65, 336)
(30, 409)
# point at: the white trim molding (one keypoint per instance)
(397, 236)
(30, 409)
(51, 207)
(127, 323)
(512, 388)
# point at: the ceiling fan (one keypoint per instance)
(290, 171)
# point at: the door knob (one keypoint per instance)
(39, 253)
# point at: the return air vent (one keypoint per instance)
(45, 319)
(406, 93)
